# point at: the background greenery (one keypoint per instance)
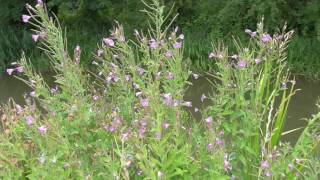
(201, 20)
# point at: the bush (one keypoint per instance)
(128, 119)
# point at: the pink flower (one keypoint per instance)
(33, 94)
(10, 71)
(265, 165)
(95, 97)
(210, 147)
(42, 130)
(266, 38)
(29, 120)
(35, 37)
(108, 42)
(168, 99)
(257, 60)
(39, 3)
(227, 166)
(25, 18)
(144, 103)
(212, 55)
(166, 125)
(170, 76)
(20, 69)
(219, 142)
(268, 174)
(209, 120)
(252, 34)
(127, 78)
(169, 54)
(242, 64)
(153, 44)
(177, 45)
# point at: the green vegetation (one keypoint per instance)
(204, 21)
(126, 117)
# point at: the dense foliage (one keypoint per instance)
(127, 118)
(204, 19)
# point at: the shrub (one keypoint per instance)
(127, 119)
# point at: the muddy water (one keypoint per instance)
(302, 104)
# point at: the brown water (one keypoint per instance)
(302, 104)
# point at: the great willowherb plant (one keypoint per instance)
(128, 120)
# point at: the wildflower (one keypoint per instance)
(187, 104)
(35, 37)
(221, 133)
(136, 86)
(219, 142)
(10, 71)
(139, 172)
(25, 18)
(168, 99)
(209, 120)
(227, 166)
(95, 97)
(32, 94)
(195, 76)
(170, 76)
(168, 54)
(108, 42)
(203, 97)
(99, 52)
(141, 71)
(160, 174)
(268, 174)
(144, 103)
(242, 64)
(234, 56)
(29, 120)
(42, 159)
(20, 69)
(290, 167)
(257, 61)
(138, 94)
(181, 36)
(39, 3)
(127, 78)
(266, 38)
(42, 130)
(153, 44)
(125, 136)
(177, 45)
(297, 174)
(252, 34)
(196, 109)
(284, 86)
(210, 147)
(54, 90)
(176, 103)
(265, 165)
(142, 132)
(19, 109)
(212, 55)
(166, 125)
